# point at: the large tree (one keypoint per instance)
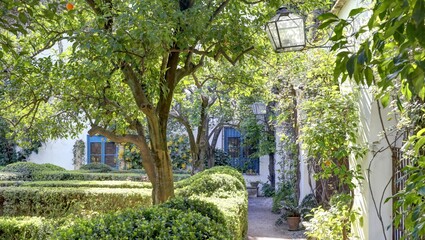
(209, 102)
(115, 66)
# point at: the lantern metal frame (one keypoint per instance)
(293, 18)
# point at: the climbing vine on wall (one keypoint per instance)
(78, 151)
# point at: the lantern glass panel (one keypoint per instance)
(286, 32)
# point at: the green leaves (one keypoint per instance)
(390, 21)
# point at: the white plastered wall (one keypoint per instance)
(371, 193)
(58, 152)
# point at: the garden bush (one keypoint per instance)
(219, 211)
(94, 176)
(28, 169)
(25, 228)
(207, 209)
(96, 167)
(212, 171)
(58, 202)
(151, 223)
(78, 184)
(334, 222)
(225, 188)
(88, 176)
(9, 176)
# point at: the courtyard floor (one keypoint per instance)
(261, 222)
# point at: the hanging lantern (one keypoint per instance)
(286, 31)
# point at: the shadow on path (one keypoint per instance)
(261, 222)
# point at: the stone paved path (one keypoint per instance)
(261, 222)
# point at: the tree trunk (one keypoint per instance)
(198, 162)
(163, 184)
(211, 148)
(272, 177)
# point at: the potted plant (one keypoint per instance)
(292, 214)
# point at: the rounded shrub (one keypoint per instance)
(210, 173)
(96, 167)
(151, 223)
(213, 185)
(29, 169)
(52, 167)
(205, 208)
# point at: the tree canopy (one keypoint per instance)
(115, 65)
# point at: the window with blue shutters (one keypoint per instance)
(240, 154)
(100, 150)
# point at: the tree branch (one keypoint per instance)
(219, 10)
(135, 85)
(228, 58)
(112, 136)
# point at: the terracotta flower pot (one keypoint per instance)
(293, 223)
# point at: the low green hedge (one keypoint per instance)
(30, 167)
(25, 228)
(26, 170)
(200, 211)
(96, 167)
(77, 184)
(59, 202)
(151, 223)
(10, 176)
(204, 208)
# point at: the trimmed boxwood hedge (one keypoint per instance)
(77, 184)
(205, 208)
(199, 211)
(59, 202)
(26, 170)
(26, 228)
(151, 223)
(96, 167)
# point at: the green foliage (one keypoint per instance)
(267, 190)
(332, 223)
(28, 170)
(390, 57)
(178, 145)
(285, 193)
(32, 228)
(151, 223)
(207, 209)
(291, 208)
(81, 175)
(59, 202)
(231, 200)
(224, 170)
(410, 202)
(96, 167)
(30, 167)
(307, 204)
(78, 184)
(221, 158)
(8, 146)
(213, 185)
(131, 156)
(220, 216)
(392, 50)
(329, 135)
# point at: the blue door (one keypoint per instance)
(239, 154)
(100, 150)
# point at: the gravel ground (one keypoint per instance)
(261, 222)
